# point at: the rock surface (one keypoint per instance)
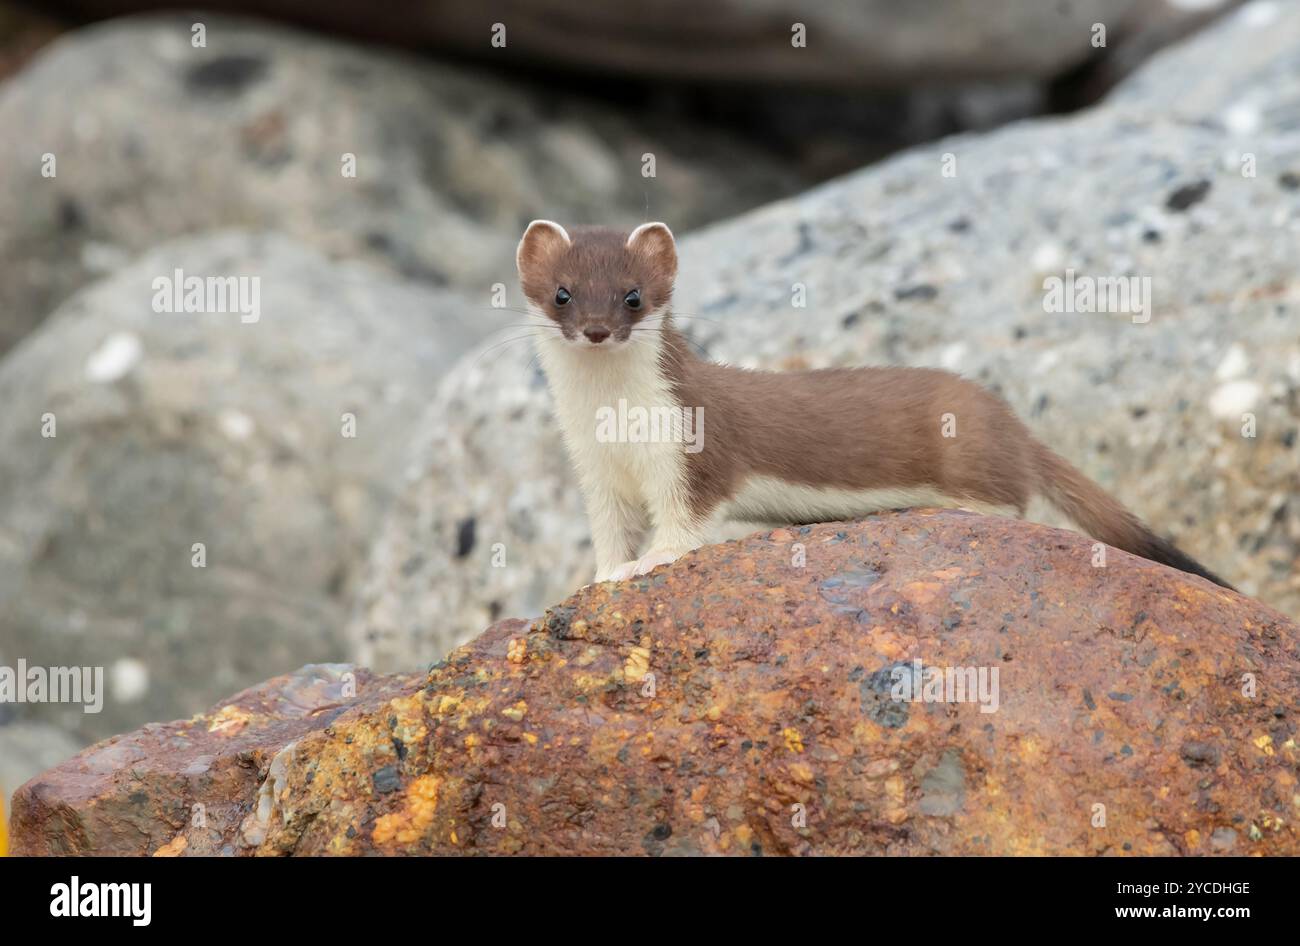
(174, 429)
(213, 759)
(850, 42)
(251, 132)
(902, 264)
(742, 701)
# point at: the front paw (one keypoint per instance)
(618, 572)
(653, 559)
(641, 566)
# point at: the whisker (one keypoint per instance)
(524, 325)
(540, 320)
(700, 349)
(695, 318)
(531, 363)
(532, 314)
(500, 345)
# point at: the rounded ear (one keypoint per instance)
(541, 240)
(655, 241)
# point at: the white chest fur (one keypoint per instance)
(625, 478)
(589, 385)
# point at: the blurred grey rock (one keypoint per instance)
(904, 265)
(850, 42)
(1200, 80)
(27, 750)
(154, 139)
(174, 428)
(1154, 25)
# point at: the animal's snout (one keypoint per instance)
(596, 334)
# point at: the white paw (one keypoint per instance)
(652, 560)
(642, 566)
(621, 572)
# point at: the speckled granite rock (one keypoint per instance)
(174, 428)
(850, 42)
(904, 265)
(751, 699)
(251, 130)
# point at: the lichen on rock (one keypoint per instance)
(738, 703)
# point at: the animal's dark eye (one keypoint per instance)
(633, 299)
(562, 296)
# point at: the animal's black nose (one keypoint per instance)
(596, 334)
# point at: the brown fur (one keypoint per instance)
(599, 270)
(851, 428)
(848, 428)
(872, 428)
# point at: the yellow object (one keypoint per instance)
(4, 826)
(793, 741)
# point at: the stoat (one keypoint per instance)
(789, 447)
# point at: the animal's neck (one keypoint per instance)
(642, 369)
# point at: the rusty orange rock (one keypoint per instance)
(185, 787)
(920, 683)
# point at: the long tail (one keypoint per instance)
(1097, 513)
